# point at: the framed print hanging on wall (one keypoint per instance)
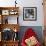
(29, 13)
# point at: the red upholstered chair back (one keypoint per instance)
(29, 33)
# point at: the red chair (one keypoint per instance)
(29, 33)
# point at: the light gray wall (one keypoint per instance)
(31, 3)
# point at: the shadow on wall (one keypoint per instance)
(37, 29)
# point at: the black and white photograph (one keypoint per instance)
(29, 13)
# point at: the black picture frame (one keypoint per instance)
(29, 13)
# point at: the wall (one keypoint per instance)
(26, 3)
(33, 3)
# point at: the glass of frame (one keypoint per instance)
(30, 13)
(13, 20)
(10, 20)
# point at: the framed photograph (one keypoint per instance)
(30, 13)
(5, 12)
(13, 12)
